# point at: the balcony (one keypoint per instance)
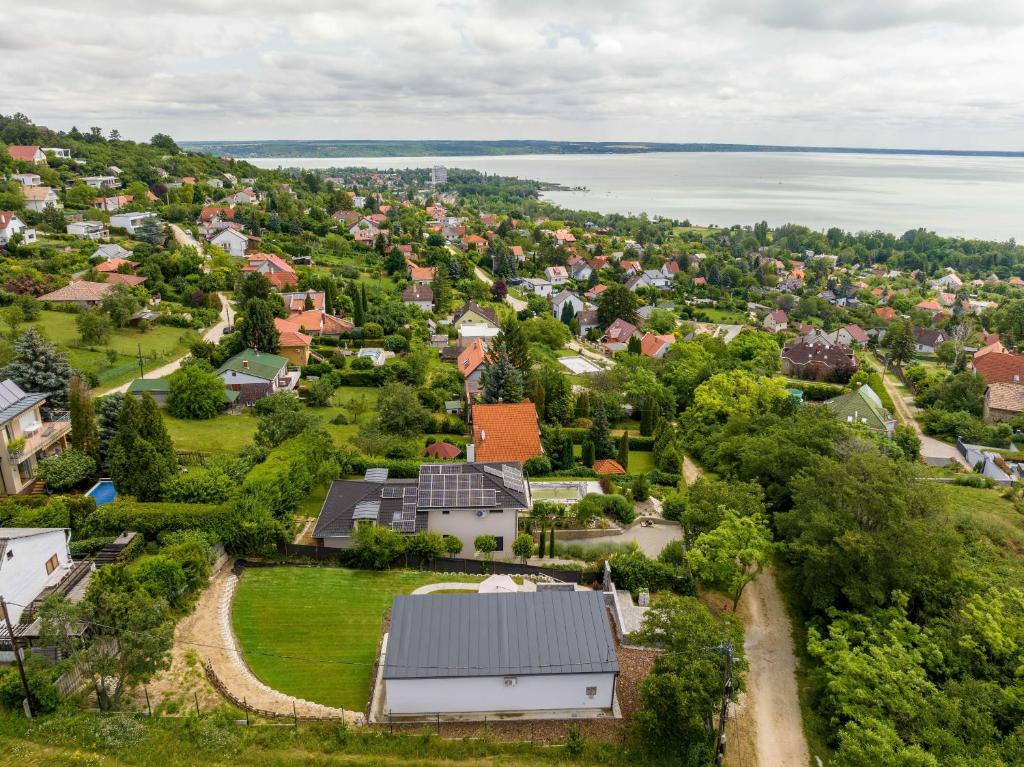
(41, 437)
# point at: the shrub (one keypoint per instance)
(151, 519)
(974, 480)
(84, 547)
(162, 577)
(634, 571)
(199, 486)
(65, 471)
(42, 692)
(537, 466)
(377, 547)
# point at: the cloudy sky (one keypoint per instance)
(899, 73)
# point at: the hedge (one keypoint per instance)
(399, 468)
(636, 442)
(375, 377)
(816, 392)
(80, 506)
(289, 471)
(151, 519)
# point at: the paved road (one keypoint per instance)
(932, 450)
(512, 301)
(212, 335)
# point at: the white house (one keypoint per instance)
(232, 241)
(102, 182)
(521, 652)
(11, 225)
(31, 558)
(557, 275)
(88, 230)
(58, 152)
(560, 300)
(537, 286)
(130, 221)
(27, 179)
(38, 197)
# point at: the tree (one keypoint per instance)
(130, 631)
(38, 367)
(623, 457)
(400, 412)
(320, 392)
(358, 313)
(733, 554)
(141, 454)
(546, 330)
(84, 431)
(426, 545)
(512, 342)
(94, 327)
(281, 417)
(906, 439)
(67, 470)
(900, 341)
(452, 545)
(164, 143)
(633, 345)
(441, 285)
(647, 418)
(641, 488)
(257, 329)
(587, 453)
(151, 230)
(684, 687)
(252, 285)
(617, 303)
(522, 546)
(120, 304)
(486, 545)
(1009, 322)
(377, 547)
(599, 433)
(501, 381)
(196, 392)
(499, 289)
(108, 409)
(707, 500)
(582, 408)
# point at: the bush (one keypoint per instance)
(634, 571)
(85, 547)
(162, 577)
(67, 470)
(974, 480)
(151, 519)
(537, 466)
(377, 547)
(42, 692)
(199, 486)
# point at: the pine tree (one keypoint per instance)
(633, 345)
(366, 305)
(442, 288)
(510, 339)
(646, 418)
(623, 457)
(568, 458)
(38, 367)
(588, 453)
(551, 540)
(357, 308)
(538, 398)
(583, 405)
(501, 381)
(141, 454)
(257, 327)
(567, 313)
(541, 543)
(600, 431)
(84, 429)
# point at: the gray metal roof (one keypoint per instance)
(467, 635)
(14, 401)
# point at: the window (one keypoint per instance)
(446, 511)
(591, 692)
(501, 542)
(51, 564)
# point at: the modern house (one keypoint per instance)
(130, 221)
(27, 179)
(522, 653)
(255, 375)
(89, 230)
(101, 182)
(25, 438)
(461, 500)
(537, 286)
(11, 225)
(81, 293)
(504, 431)
(863, 406)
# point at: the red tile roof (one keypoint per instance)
(113, 264)
(471, 357)
(441, 450)
(997, 367)
(290, 335)
(23, 153)
(606, 466)
(420, 272)
(885, 312)
(506, 432)
(131, 280)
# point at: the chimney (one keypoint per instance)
(245, 364)
(470, 453)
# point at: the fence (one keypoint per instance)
(448, 565)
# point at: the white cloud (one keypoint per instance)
(942, 73)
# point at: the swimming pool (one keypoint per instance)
(103, 492)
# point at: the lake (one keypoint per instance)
(980, 197)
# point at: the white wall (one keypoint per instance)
(23, 575)
(232, 377)
(466, 526)
(489, 693)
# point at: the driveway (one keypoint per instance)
(651, 540)
(184, 238)
(512, 301)
(212, 334)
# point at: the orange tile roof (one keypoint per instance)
(506, 432)
(471, 357)
(290, 334)
(604, 466)
(131, 280)
(421, 272)
(441, 450)
(999, 367)
(113, 264)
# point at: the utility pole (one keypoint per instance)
(142, 371)
(725, 649)
(17, 657)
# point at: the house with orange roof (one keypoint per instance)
(111, 204)
(420, 275)
(27, 153)
(293, 344)
(653, 345)
(474, 241)
(563, 236)
(504, 431)
(616, 336)
(128, 280)
(595, 291)
(930, 305)
(517, 251)
(114, 264)
(1016, 282)
(315, 322)
(277, 271)
(885, 313)
(471, 364)
(556, 275)
(296, 302)
(11, 225)
(630, 267)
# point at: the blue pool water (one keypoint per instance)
(103, 491)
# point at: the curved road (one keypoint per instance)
(514, 302)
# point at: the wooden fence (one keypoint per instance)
(448, 565)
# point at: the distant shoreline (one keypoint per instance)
(340, 149)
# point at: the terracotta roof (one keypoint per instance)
(282, 279)
(421, 272)
(1005, 396)
(506, 432)
(885, 312)
(699, 281)
(5, 218)
(857, 333)
(277, 263)
(418, 294)
(79, 291)
(930, 304)
(441, 450)
(652, 344)
(113, 264)
(296, 302)
(605, 466)
(517, 250)
(620, 331)
(779, 316)
(131, 280)
(23, 153)
(215, 211)
(290, 334)
(999, 367)
(471, 357)
(36, 193)
(595, 291)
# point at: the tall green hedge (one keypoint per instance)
(151, 519)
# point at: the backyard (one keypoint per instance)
(313, 632)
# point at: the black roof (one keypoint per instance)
(469, 635)
(336, 515)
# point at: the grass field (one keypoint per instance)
(223, 434)
(327, 621)
(989, 512)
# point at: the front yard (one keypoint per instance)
(313, 632)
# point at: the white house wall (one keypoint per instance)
(466, 526)
(23, 568)
(489, 693)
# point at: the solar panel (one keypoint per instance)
(366, 510)
(409, 492)
(376, 475)
(391, 492)
(492, 470)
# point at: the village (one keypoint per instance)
(416, 450)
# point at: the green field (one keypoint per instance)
(223, 434)
(160, 344)
(313, 633)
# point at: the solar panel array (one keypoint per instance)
(447, 486)
(376, 475)
(513, 479)
(404, 521)
(391, 491)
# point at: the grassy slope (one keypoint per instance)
(329, 616)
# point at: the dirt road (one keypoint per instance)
(515, 303)
(771, 707)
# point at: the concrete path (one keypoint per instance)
(212, 334)
(430, 588)
(184, 238)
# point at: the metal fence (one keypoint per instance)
(448, 564)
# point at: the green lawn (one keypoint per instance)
(988, 511)
(223, 434)
(160, 344)
(313, 632)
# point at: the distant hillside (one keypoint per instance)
(333, 148)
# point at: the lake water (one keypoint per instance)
(979, 197)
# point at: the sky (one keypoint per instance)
(881, 73)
